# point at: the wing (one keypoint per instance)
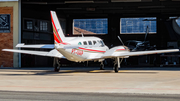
(22, 45)
(52, 53)
(122, 54)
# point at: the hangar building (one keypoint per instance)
(28, 21)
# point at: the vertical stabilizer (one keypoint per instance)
(57, 30)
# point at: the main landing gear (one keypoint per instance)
(101, 66)
(117, 64)
(56, 64)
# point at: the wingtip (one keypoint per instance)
(177, 50)
(20, 45)
(4, 49)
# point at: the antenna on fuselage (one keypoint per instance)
(120, 40)
(82, 34)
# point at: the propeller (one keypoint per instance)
(120, 40)
(147, 32)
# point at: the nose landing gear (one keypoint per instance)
(117, 64)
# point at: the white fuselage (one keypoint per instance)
(95, 48)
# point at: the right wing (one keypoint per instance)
(112, 53)
(52, 53)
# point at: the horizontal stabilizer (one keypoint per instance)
(52, 53)
(48, 46)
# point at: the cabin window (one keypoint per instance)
(90, 43)
(94, 42)
(85, 43)
(79, 43)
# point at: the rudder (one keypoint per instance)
(57, 30)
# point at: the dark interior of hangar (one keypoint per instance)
(36, 24)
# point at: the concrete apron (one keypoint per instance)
(90, 80)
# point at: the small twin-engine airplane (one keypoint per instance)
(81, 49)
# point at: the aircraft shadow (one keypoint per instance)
(66, 70)
(52, 73)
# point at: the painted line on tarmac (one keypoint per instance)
(93, 71)
(89, 88)
(105, 71)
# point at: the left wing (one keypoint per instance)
(48, 46)
(121, 54)
(52, 53)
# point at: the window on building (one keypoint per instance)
(137, 25)
(90, 26)
(5, 23)
(36, 25)
(43, 26)
(28, 24)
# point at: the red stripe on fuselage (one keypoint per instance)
(119, 49)
(91, 50)
(56, 29)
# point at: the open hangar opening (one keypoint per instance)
(37, 29)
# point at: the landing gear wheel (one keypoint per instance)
(56, 68)
(116, 69)
(101, 67)
(56, 65)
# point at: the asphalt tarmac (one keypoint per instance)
(92, 80)
(59, 96)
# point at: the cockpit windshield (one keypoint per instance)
(101, 43)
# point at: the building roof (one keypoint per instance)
(78, 31)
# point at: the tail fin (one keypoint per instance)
(57, 30)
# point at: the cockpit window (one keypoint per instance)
(85, 43)
(79, 43)
(90, 43)
(102, 43)
(98, 41)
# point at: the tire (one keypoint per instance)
(56, 68)
(116, 69)
(101, 67)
